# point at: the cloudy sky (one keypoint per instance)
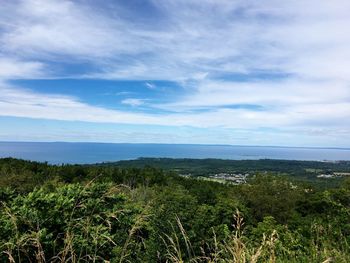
(246, 72)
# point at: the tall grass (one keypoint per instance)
(86, 235)
(234, 249)
(237, 248)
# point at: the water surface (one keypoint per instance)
(60, 152)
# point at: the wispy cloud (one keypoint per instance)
(22, 103)
(205, 39)
(12, 68)
(133, 102)
(204, 46)
(150, 85)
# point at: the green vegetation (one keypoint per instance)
(306, 170)
(132, 212)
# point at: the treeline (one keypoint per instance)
(99, 213)
(210, 166)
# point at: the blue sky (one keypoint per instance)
(202, 71)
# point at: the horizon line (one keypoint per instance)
(189, 144)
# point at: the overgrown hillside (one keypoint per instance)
(109, 213)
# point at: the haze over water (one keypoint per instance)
(87, 153)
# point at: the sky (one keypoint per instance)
(239, 72)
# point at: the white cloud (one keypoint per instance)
(150, 85)
(50, 28)
(316, 124)
(268, 94)
(133, 102)
(14, 68)
(196, 42)
(22, 103)
(195, 39)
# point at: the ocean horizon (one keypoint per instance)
(89, 152)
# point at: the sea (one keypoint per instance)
(89, 153)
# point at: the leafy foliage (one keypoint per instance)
(99, 213)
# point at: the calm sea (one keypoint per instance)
(59, 152)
